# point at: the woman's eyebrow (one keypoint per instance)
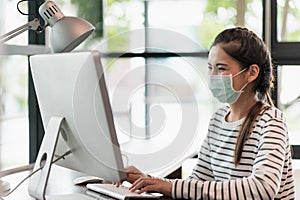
(221, 64)
(217, 65)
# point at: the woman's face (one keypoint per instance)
(220, 63)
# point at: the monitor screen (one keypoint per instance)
(72, 86)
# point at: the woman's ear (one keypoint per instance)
(253, 72)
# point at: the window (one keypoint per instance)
(285, 45)
(147, 46)
(14, 129)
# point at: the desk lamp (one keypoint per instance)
(66, 34)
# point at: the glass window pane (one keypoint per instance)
(14, 133)
(178, 77)
(173, 87)
(159, 98)
(123, 26)
(16, 19)
(177, 90)
(125, 79)
(201, 20)
(289, 99)
(119, 25)
(288, 20)
(14, 130)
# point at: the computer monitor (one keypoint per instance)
(77, 116)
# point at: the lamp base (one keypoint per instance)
(4, 187)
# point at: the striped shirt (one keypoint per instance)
(264, 171)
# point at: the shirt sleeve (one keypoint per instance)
(263, 183)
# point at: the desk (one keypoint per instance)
(60, 183)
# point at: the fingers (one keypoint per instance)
(142, 184)
(147, 189)
(117, 184)
(146, 184)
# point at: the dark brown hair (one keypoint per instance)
(247, 48)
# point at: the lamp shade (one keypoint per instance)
(66, 32)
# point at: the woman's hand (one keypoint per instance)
(147, 184)
(134, 174)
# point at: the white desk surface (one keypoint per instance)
(60, 185)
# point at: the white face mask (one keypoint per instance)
(222, 88)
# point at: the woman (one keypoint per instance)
(246, 154)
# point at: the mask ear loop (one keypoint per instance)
(240, 72)
(241, 90)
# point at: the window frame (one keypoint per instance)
(36, 130)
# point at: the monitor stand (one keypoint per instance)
(38, 181)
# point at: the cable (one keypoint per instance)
(32, 173)
(18, 8)
(127, 159)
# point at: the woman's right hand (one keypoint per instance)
(133, 174)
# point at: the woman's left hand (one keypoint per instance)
(147, 184)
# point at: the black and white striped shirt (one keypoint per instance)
(265, 169)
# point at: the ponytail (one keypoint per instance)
(246, 128)
(269, 99)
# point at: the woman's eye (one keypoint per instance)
(221, 69)
(209, 68)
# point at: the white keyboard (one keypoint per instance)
(120, 192)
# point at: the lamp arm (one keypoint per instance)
(32, 25)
